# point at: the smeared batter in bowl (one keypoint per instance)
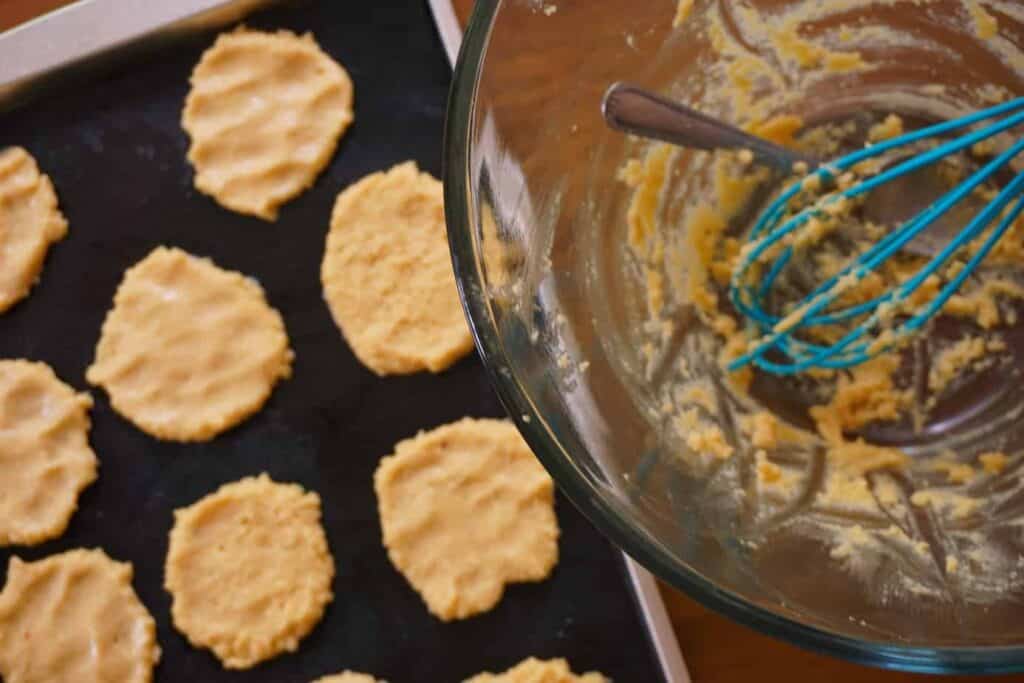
(909, 456)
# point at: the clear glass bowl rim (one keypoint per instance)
(587, 498)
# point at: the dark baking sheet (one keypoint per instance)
(116, 153)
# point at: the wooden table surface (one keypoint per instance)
(716, 649)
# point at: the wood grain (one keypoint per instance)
(715, 648)
(14, 12)
(463, 8)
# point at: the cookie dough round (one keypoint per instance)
(264, 115)
(466, 509)
(45, 459)
(348, 677)
(537, 671)
(249, 570)
(29, 223)
(189, 350)
(387, 274)
(74, 618)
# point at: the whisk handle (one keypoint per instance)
(632, 109)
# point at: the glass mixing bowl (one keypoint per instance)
(560, 305)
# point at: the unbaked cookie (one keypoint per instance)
(45, 459)
(264, 114)
(189, 350)
(387, 274)
(466, 509)
(249, 570)
(29, 223)
(74, 618)
(348, 677)
(538, 671)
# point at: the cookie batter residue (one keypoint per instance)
(832, 451)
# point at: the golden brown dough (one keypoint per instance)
(264, 114)
(387, 274)
(189, 350)
(29, 223)
(74, 618)
(348, 677)
(466, 509)
(537, 671)
(249, 570)
(45, 458)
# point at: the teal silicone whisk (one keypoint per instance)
(777, 344)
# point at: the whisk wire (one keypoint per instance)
(914, 227)
(852, 348)
(829, 172)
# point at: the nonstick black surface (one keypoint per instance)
(115, 150)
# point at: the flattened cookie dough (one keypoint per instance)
(538, 671)
(74, 618)
(387, 274)
(249, 570)
(29, 223)
(189, 350)
(264, 115)
(348, 677)
(45, 459)
(466, 509)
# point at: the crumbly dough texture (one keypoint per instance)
(387, 274)
(29, 223)
(45, 459)
(466, 509)
(348, 677)
(538, 671)
(189, 350)
(74, 618)
(249, 570)
(264, 114)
